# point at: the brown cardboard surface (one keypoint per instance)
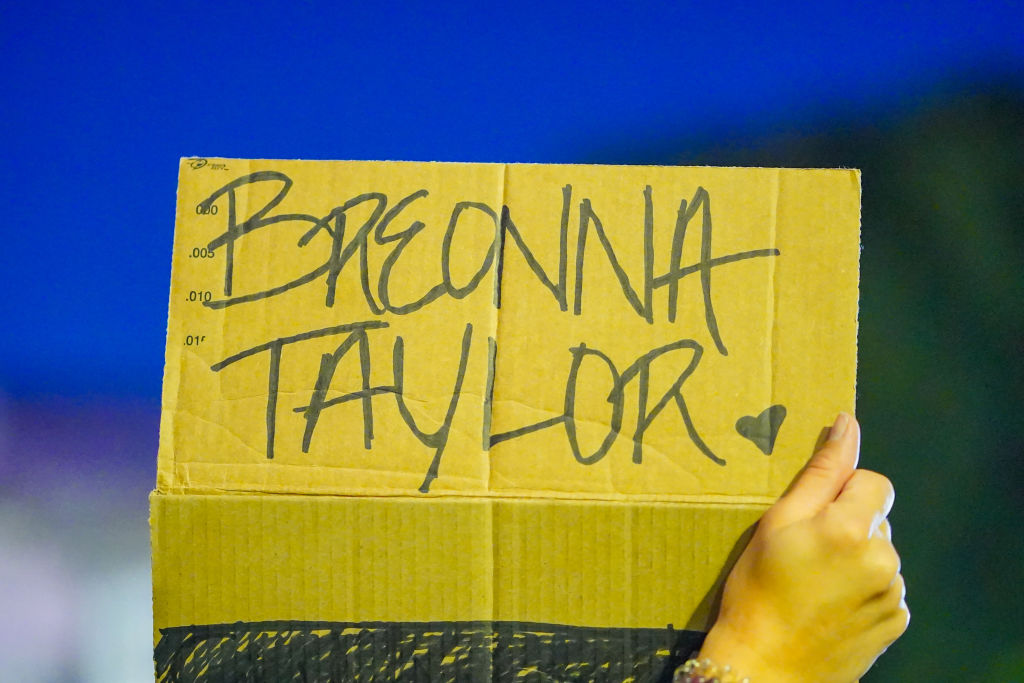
(454, 559)
(507, 398)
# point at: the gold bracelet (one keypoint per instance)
(706, 671)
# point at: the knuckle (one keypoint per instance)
(826, 455)
(895, 595)
(888, 489)
(879, 482)
(843, 531)
(882, 564)
(894, 627)
(899, 623)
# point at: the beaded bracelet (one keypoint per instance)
(706, 671)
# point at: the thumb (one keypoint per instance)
(825, 474)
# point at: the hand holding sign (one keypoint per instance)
(817, 595)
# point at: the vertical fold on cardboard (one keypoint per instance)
(493, 350)
(492, 374)
(773, 343)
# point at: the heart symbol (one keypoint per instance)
(762, 429)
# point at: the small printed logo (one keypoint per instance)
(197, 163)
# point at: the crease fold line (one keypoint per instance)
(492, 376)
(774, 289)
(492, 360)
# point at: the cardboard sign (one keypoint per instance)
(425, 421)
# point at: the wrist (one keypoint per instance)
(705, 670)
(724, 647)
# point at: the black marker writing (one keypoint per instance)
(275, 347)
(638, 370)
(439, 439)
(345, 242)
(318, 401)
(373, 220)
(356, 337)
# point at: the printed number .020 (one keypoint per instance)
(194, 339)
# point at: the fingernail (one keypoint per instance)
(839, 427)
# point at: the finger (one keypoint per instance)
(888, 601)
(887, 565)
(900, 589)
(825, 474)
(883, 604)
(865, 500)
(893, 625)
(884, 530)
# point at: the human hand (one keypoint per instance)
(817, 595)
